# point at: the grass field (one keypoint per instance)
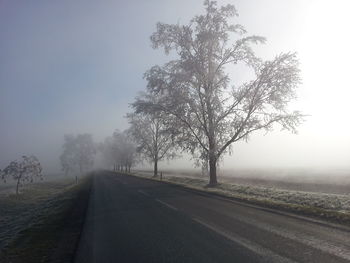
(43, 223)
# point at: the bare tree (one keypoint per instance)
(78, 153)
(126, 150)
(68, 158)
(119, 150)
(196, 88)
(155, 141)
(107, 148)
(23, 171)
(85, 151)
(129, 153)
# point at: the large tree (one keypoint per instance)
(154, 139)
(197, 87)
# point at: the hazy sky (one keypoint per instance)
(74, 66)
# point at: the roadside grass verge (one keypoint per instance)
(331, 207)
(44, 222)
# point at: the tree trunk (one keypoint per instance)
(212, 172)
(212, 146)
(155, 170)
(17, 186)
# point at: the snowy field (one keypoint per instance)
(320, 181)
(18, 212)
(313, 189)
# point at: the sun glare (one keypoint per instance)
(325, 57)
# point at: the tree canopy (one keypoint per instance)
(78, 153)
(23, 171)
(154, 139)
(194, 91)
(119, 150)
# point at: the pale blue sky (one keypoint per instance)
(74, 66)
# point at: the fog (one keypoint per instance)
(69, 67)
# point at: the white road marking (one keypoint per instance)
(144, 193)
(170, 206)
(266, 253)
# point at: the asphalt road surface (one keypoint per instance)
(138, 220)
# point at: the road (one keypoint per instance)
(137, 220)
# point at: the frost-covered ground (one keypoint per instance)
(269, 192)
(9, 186)
(308, 180)
(18, 212)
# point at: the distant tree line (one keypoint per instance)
(79, 152)
(119, 151)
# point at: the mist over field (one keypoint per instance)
(174, 131)
(71, 67)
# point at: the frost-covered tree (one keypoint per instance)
(68, 157)
(78, 153)
(197, 87)
(154, 139)
(119, 150)
(126, 150)
(107, 148)
(23, 171)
